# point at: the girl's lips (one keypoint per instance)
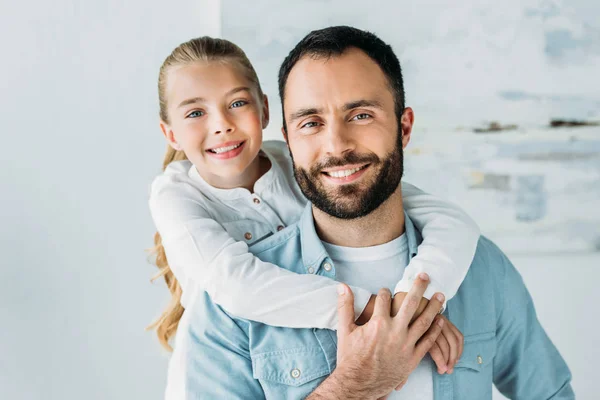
(225, 144)
(227, 154)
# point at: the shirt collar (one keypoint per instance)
(314, 253)
(236, 193)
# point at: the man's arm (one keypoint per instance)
(211, 359)
(527, 365)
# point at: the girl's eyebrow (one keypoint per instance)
(191, 101)
(237, 89)
(202, 99)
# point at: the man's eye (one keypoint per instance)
(311, 124)
(195, 114)
(361, 116)
(239, 103)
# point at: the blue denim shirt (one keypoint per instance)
(218, 356)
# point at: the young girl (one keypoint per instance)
(234, 191)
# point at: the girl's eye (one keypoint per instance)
(239, 103)
(311, 124)
(361, 116)
(195, 114)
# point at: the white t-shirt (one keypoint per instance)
(206, 233)
(374, 268)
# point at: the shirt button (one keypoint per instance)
(295, 373)
(280, 227)
(327, 266)
(248, 235)
(479, 360)
(311, 270)
(256, 201)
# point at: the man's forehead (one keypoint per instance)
(351, 74)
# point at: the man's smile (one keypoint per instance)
(345, 174)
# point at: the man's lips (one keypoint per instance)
(345, 174)
(344, 170)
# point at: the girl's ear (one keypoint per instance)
(265, 113)
(169, 135)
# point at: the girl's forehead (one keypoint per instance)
(210, 78)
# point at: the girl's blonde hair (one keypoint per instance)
(202, 49)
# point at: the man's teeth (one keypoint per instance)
(226, 149)
(343, 173)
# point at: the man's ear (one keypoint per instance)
(284, 133)
(169, 135)
(406, 125)
(265, 112)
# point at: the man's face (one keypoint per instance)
(343, 133)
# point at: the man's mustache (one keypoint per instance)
(349, 158)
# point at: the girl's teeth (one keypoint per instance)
(226, 149)
(343, 173)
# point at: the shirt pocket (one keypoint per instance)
(247, 230)
(291, 367)
(473, 373)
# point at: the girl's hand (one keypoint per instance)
(448, 348)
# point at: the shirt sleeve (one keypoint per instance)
(527, 365)
(202, 253)
(211, 358)
(450, 239)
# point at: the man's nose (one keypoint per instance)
(338, 139)
(222, 124)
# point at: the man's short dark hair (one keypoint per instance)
(334, 41)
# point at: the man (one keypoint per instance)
(343, 105)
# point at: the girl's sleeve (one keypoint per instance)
(450, 238)
(202, 254)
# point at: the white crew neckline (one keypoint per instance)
(371, 253)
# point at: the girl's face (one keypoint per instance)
(217, 119)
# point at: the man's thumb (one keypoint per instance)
(345, 310)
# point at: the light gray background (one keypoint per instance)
(80, 146)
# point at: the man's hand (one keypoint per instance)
(449, 345)
(399, 299)
(377, 357)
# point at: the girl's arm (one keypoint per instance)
(201, 252)
(450, 238)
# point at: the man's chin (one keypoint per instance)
(343, 207)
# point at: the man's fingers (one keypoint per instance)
(422, 324)
(412, 300)
(345, 311)
(383, 303)
(438, 357)
(428, 340)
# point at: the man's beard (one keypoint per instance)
(353, 200)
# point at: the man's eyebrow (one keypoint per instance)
(202, 99)
(362, 103)
(303, 112)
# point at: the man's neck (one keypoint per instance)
(382, 225)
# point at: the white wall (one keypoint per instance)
(80, 145)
